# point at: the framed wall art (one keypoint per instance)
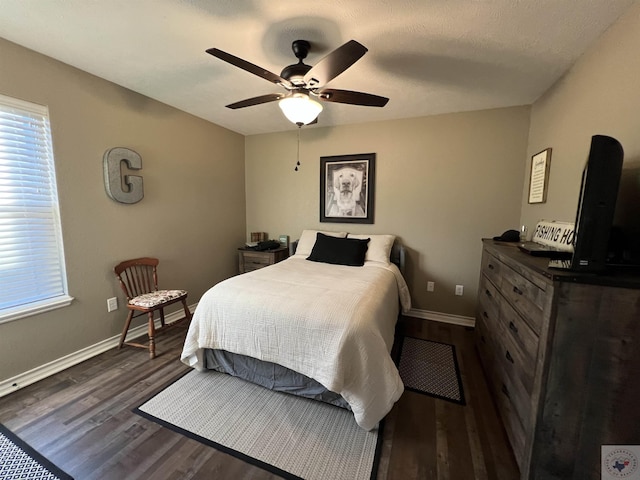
(347, 185)
(539, 179)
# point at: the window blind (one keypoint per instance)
(32, 269)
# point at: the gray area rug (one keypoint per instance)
(290, 436)
(19, 461)
(431, 368)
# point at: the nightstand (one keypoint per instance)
(249, 260)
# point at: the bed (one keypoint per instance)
(314, 324)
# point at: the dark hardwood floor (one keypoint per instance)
(81, 420)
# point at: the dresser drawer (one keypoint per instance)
(491, 268)
(503, 368)
(518, 333)
(503, 394)
(526, 298)
(485, 344)
(510, 420)
(517, 377)
(489, 303)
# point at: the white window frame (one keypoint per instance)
(9, 148)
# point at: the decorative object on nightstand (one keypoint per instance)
(258, 236)
(250, 259)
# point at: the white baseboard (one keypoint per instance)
(43, 371)
(442, 317)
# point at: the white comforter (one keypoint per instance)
(332, 323)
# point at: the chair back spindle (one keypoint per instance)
(138, 276)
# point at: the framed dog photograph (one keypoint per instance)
(347, 188)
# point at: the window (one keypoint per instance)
(32, 271)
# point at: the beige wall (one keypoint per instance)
(192, 216)
(599, 95)
(442, 183)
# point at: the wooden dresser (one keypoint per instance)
(561, 352)
(249, 260)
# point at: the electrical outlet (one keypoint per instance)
(459, 289)
(112, 304)
(430, 286)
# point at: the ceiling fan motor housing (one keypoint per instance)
(295, 73)
(300, 49)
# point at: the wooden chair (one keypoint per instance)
(139, 281)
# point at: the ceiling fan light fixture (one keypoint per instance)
(300, 109)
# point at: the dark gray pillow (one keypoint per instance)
(339, 251)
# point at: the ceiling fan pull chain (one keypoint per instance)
(298, 155)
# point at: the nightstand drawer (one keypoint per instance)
(250, 266)
(256, 259)
(249, 260)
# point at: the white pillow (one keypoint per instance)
(379, 247)
(308, 240)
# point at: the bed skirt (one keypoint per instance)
(271, 376)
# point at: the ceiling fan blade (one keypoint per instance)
(352, 98)
(249, 102)
(249, 67)
(334, 64)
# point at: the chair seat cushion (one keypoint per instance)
(153, 299)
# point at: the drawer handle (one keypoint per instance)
(505, 391)
(508, 356)
(488, 293)
(517, 290)
(485, 314)
(512, 327)
(491, 267)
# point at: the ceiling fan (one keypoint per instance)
(302, 81)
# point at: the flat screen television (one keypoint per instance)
(624, 240)
(597, 204)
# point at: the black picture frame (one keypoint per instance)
(354, 201)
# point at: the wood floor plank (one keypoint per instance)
(82, 420)
(459, 459)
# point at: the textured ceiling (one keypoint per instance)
(428, 56)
